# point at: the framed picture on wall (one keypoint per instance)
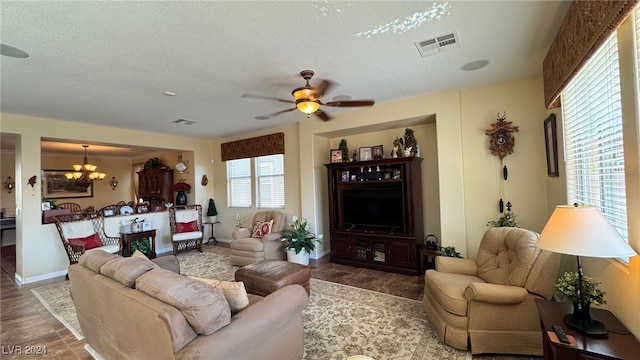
(551, 145)
(56, 186)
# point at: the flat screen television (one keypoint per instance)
(373, 208)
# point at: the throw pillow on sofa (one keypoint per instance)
(95, 259)
(204, 307)
(262, 228)
(233, 291)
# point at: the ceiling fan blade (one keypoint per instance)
(322, 88)
(323, 115)
(251, 96)
(351, 103)
(280, 112)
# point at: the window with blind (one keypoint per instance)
(270, 181)
(592, 118)
(239, 183)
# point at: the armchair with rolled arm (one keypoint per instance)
(248, 246)
(487, 303)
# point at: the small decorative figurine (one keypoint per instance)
(398, 148)
(345, 150)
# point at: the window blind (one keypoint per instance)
(593, 136)
(239, 182)
(270, 181)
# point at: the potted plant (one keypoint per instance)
(508, 218)
(567, 285)
(212, 212)
(449, 251)
(300, 241)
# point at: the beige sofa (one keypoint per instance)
(488, 303)
(121, 320)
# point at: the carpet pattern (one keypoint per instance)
(340, 320)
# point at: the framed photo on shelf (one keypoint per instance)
(551, 145)
(336, 155)
(108, 212)
(377, 152)
(157, 207)
(396, 174)
(142, 209)
(365, 153)
(345, 176)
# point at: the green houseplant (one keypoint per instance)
(212, 212)
(567, 285)
(300, 237)
(508, 218)
(449, 251)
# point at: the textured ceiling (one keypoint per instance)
(110, 62)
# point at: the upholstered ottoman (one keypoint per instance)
(266, 276)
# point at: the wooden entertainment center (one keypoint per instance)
(375, 211)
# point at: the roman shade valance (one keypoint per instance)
(253, 147)
(584, 29)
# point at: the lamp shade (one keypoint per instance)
(582, 231)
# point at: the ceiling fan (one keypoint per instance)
(308, 99)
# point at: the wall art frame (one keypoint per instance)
(551, 145)
(56, 186)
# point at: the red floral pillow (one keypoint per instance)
(262, 228)
(90, 242)
(187, 227)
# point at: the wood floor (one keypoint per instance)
(27, 326)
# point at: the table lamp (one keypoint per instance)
(582, 231)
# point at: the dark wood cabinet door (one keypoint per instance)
(401, 253)
(340, 247)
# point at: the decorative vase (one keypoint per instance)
(301, 258)
(581, 313)
(181, 198)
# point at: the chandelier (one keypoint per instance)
(85, 174)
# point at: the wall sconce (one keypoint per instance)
(113, 183)
(9, 184)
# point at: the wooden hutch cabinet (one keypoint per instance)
(375, 213)
(154, 185)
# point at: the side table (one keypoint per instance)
(213, 231)
(422, 252)
(618, 344)
(127, 237)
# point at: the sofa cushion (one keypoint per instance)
(233, 291)
(95, 259)
(204, 306)
(261, 228)
(126, 270)
(90, 242)
(183, 227)
(187, 235)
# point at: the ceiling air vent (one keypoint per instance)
(438, 44)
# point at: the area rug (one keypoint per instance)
(340, 320)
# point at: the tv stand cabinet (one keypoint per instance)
(381, 240)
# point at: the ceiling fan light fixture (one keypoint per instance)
(305, 100)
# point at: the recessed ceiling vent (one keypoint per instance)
(438, 44)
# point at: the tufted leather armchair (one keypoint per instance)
(488, 303)
(246, 250)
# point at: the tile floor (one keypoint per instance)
(25, 322)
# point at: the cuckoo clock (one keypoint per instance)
(501, 140)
